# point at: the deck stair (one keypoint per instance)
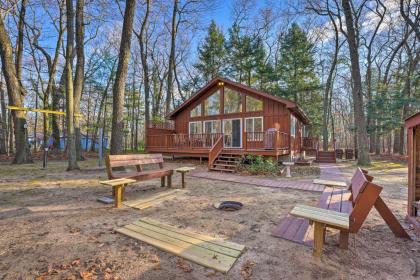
(325, 157)
(226, 163)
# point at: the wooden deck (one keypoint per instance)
(196, 152)
(200, 145)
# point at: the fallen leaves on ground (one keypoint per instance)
(75, 230)
(246, 269)
(186, 267)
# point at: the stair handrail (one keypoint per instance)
(215, 150)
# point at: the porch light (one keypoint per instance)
(220, 84)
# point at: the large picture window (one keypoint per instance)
(253, 104)
(254, 127)
(212, 104)
(196, 112)
(195, 128)
(232, 101)
(212, 126)
(293, 123)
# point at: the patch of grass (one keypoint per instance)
(384, 164)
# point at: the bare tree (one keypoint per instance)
(170, 82)
(359, 116)
(120, 79)
(79, 75)
(14, 91)
(71, 143)
(142, 39)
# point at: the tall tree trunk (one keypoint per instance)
(19, 42)
(71, 144)
(359, 116)
(3, 132)
(328, 88)
(120, 79)
(79, 75)
(14, 92)
(56, 92)
(170, 83)
(133, 105)
(142, 38)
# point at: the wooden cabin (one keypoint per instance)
(225, 117)
(412, 124)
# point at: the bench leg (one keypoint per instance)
(344, 239)
(169, 181)
(162, 182)
(183, 179)
(319, 234)
(123, 192)
(118, 195)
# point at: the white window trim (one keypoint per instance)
(189, 127)
(210, 121)
(223, 131)
(253, 126)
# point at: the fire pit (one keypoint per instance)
(228, 205)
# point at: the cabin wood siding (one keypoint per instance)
(275, 115)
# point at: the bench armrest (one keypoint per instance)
(330, 183)
(320, 215)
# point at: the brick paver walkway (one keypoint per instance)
(329, 171)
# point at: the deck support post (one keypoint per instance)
(162, 182)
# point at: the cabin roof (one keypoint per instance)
(292, 106)
(412, 120)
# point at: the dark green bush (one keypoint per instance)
(257, 165)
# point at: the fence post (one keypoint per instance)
(244, 140)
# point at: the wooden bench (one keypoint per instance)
(364, 195)
(118, 186)
(139, 161)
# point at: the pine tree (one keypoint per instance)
(297, 77)
(211, 54)
(246, 57)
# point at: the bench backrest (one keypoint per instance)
(136, 160)
(364, 194)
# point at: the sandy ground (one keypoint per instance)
(51, 227)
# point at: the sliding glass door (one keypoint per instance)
(232, 130)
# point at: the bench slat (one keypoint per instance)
(321, 215)
(117, 182)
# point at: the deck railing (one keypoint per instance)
(215, 151)
(310, 143)
(275, 141)
(169, 125)
(183, 141)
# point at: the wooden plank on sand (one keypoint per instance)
(208, 254)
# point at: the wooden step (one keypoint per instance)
(224, 165)
(222, 169)
(226, 161)
(230, 156)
